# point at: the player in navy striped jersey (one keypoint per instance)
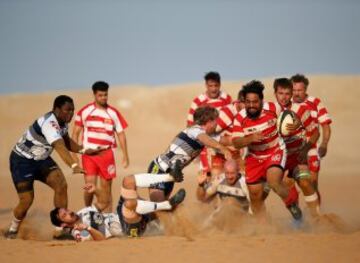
(30, 159)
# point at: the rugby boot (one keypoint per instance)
(177, 198)
(176, 172)
(295, 211)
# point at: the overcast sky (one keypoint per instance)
(49, 44)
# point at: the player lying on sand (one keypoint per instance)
(132, 216)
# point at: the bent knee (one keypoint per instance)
(129, 182)
(130, 204)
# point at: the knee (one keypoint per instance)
(157, 196)
(130, 204)
(129, 182)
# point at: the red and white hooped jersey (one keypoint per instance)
(295, 141)
(202, 100)
(266, 124)
(225, 121)
(100, 125)
(322, 114)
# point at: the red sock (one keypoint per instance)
(293, 196)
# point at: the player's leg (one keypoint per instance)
(314, 167)
(161, 191)
(274, 176)
(256, 199)
(91, 174)
(22, 172)
(302, 177)
(56, 180)
(132, 203)
(26, 199)
(105, 189)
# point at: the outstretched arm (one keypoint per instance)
(61, 149)
(210, 142)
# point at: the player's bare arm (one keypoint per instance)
(242, 142)
(326, 134)
(210, 142)
(61, 149)
(311, 141)
(76, 138)
(95, 234)
(123, 145)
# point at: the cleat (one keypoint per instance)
(295, 211)
(10, 234)
(176, 172)
(177, 198)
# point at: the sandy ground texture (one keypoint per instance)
(155, 116)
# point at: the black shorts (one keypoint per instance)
(166, 187)
(132, 230)
(25, 171)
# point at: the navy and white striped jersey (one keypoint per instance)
(103, 222)
(36, 142)
(220, 186)
(185, 147)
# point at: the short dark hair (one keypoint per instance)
(282, 82)
(213, 75)
(254, 86)
(204, 114)
(61, 100)
(100, 86)
(241, 95)
(300, 78)
(54, 217)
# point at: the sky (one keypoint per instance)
(55, 45)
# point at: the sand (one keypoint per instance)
(155, 115)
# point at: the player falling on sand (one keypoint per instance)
(99, 123)
(213, 97)
(30, 159)
(300, 85)
(298, 142)
(229, 187)
(255, 128)
(133, 214)
(186, 146)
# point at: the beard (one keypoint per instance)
(253, 115)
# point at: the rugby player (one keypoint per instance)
(298, 142)
(215, 98)
(30, 159)
(319, 111)
(255, 128)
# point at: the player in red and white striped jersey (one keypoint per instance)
(225, 123)
(99, 124)
(298, 142)
(213, 97)
(255, 128)
(300, 84)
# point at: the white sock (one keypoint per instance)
(145, 207)
(146, 180)
(14, 226)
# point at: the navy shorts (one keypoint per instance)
(166, 187)
(135, 229)
(25, 171)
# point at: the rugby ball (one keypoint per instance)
(284, 118)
